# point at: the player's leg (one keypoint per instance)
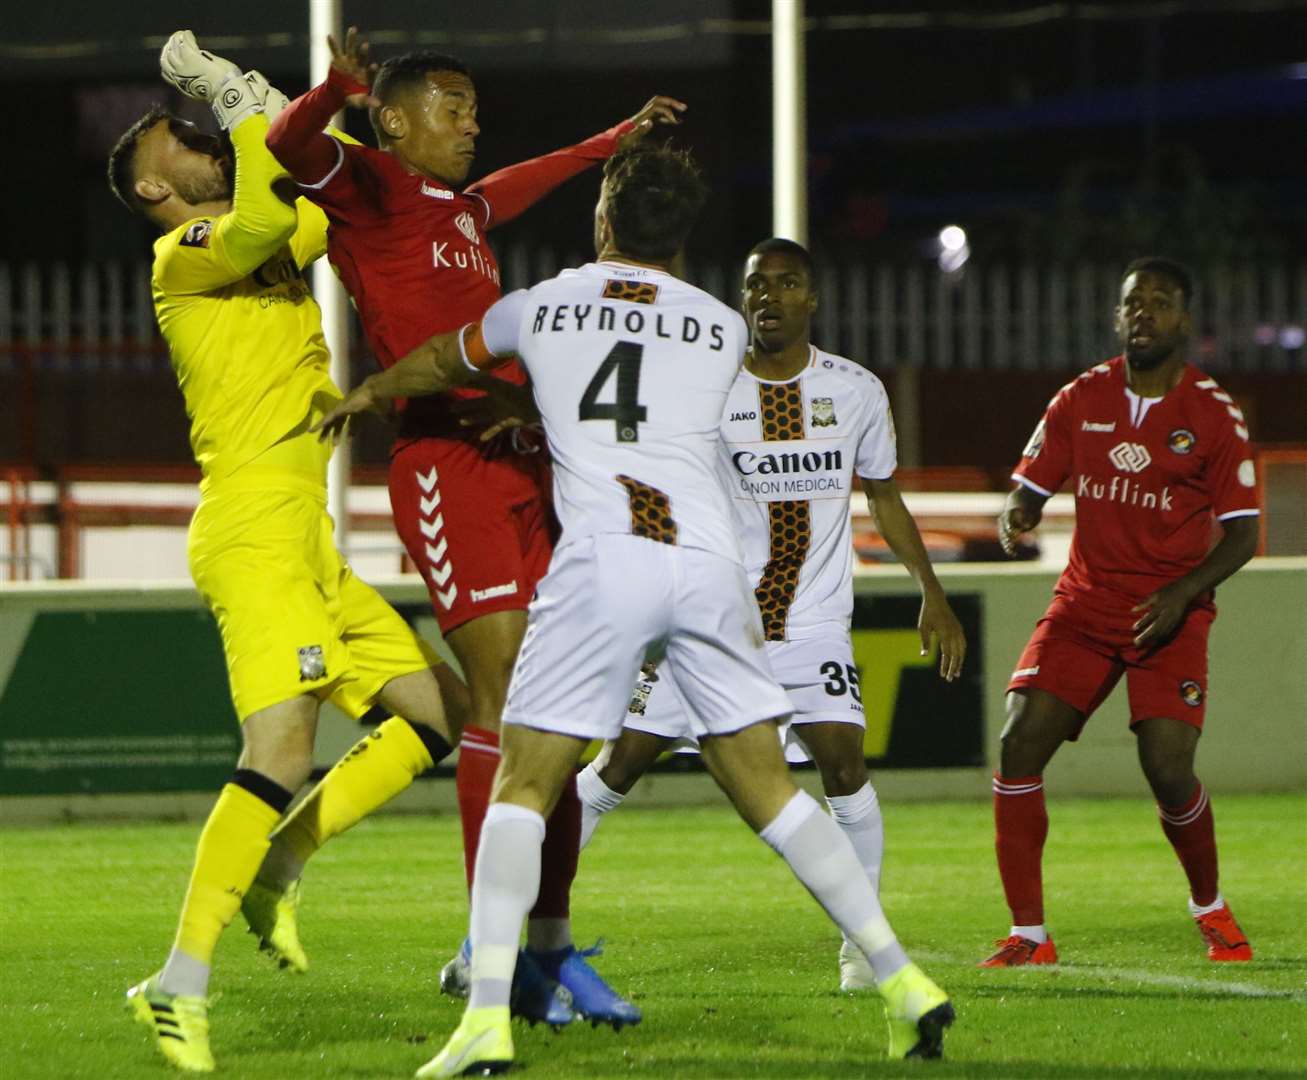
(274, 763)
(1169, 689)
(655, 721)
(605, 782)
(750, 768)
(1062, 677)
(593, 616)
(837, 751)
(724, 677)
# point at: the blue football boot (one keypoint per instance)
(535, 997)
(591, 997)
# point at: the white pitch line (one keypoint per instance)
(1143, 977)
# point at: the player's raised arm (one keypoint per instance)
(297, 138)
(512, 190)
(897, 526)
(260, 221)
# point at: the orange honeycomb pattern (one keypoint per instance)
(651, 511)
(781, 409)
(789, 522)
(638, 292)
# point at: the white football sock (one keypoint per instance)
(504, 889)
(860, 817)
(823, 859)
(185, 975)
(1206, 909)
(1031, 933)
(597, 798)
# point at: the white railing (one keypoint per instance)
(1249, 317)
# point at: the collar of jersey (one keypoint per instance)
(812, 363)
(627, 268)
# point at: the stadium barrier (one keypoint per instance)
(113, 699)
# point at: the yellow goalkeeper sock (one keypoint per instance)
(232, 845)
(379, 767)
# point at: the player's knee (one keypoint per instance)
(288, 762)
(1170, 775)
(843, 777)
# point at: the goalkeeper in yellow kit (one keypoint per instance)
(297, 626)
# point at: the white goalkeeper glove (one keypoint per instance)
(272, 99)
(196, 73)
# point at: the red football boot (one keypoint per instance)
(1017, 951)
(1225, 941)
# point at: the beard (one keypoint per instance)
(1145, 358)
(206, 188)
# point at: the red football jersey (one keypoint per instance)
(1148, 475)
(412, 253)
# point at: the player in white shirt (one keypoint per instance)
(631, 368)
(799, 428)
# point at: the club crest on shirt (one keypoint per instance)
(197, 235)
(823, 412)
(1191, 693)
(313, 665)
(1130, 457)
(467, 226)
(1181, 440)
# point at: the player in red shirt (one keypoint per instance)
(409, 242)
(1154, 449)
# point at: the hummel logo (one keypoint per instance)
(1089, 425)
(495, 590)
(1130, 457)
(435, 192)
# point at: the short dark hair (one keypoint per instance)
(404, 72)
(1179, 274)
(122, 158)
(778, 245)
(654, 195)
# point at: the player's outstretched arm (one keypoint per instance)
(1165, 609)
(515, 189)
(296, 137)
(897, 526)
(440, 363)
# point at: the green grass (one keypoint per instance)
(732, 962)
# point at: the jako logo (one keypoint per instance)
(1130, 457)
(467, 226)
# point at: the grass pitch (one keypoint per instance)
(732, 962)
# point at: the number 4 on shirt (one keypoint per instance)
(626, 411)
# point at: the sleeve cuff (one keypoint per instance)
(1238, 514)
(462, 349)
(340, 160)
(1025, 481)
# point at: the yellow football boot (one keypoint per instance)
(482, 1046)
(918, 1011)
(273, 919)
(180, 1024)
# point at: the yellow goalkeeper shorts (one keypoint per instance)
(293, 617)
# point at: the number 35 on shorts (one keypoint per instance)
(841, 679)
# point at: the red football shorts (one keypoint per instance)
(479, 529)
(1079, 657)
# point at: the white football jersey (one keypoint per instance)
(791, 451)
(630, 367)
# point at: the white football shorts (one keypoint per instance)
(817, 674)
(609, 604)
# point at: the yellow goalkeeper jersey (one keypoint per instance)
(243, 330)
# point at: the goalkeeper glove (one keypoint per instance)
(272, 99)
(196, 73)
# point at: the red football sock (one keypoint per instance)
(1192, 832)
(478, 760)
(559, 855)
(1020, 828)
